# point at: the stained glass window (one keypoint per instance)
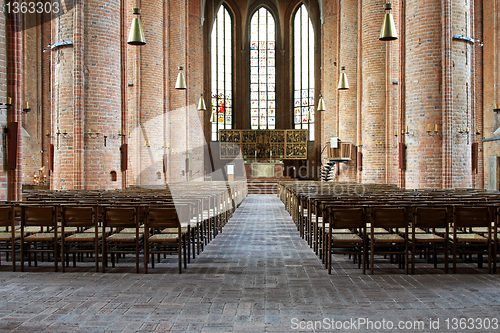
(262, 70)
(303, 72)
(222, 66)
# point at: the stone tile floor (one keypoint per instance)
(258, 275)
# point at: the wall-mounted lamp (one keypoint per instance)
(96, 133)
(121, 134)
(463, 131)
(47, 134)
(496, 109)
(105, 137)
(147, 143)
(429, 130)
(407, 132)
(8, 103)
(395, 132)
(26, 107)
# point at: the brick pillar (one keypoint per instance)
(373, 105)
(87, 96)
(14, 90)
(3, 98)
(347, 99)
(423, 94)
(328, 74)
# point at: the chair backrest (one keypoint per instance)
(78, 216)
(7, 216)
(471, 217)
(162, 217)
(120, 217)
(388, 217)
(347, 218)
(38, 216)
(431, 217)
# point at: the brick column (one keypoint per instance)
(347, 99)
(423, 94)
(373, 105)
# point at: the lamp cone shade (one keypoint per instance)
(181, 80)
(321, 104)
(213, 117)
(201, 104)
(388, 30)
(343, 84)
(136, 34)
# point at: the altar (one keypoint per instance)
(264, 169)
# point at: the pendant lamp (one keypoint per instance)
(201, 104)
(321, 104)
(343, 84)
(181, 80)
(136, 34)
(388, 31)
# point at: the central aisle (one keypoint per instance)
(258, 275)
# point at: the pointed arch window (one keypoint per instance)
(303, 71)
(262, 70)
(222, 67)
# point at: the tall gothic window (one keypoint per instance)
(303, 71)
(262, 70)
(222, 66)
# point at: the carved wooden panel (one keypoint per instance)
(263, 144)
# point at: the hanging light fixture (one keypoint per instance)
(213, 117)
(343, 84)
(136, 34)
(388, 31)
(181, 80)
(201, 104)
(321, 104)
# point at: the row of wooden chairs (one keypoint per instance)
(387, 231)
(309, 204)
(110, 224)
(80, 233)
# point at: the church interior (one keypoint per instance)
(249, 165)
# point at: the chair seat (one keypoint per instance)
(82, 237)
(7, 236)
(388, 238)
(471, 238)
(347, 238)
(417, 231)
(123, 237)
(67, 230)
(341, 231)
(428, 238)
(92, 230)
(163, 238)
(183, 230)
(41, 237)
(377, 230)
(131, 230)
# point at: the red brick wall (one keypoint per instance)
(3, 98)
(373, 105)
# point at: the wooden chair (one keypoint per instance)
(44, 241)
(467, 242)
(9, 236)
(80, 242)
(429, 243)
(164, 234)
(119, 218)
(388, 242)
(347, 235)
